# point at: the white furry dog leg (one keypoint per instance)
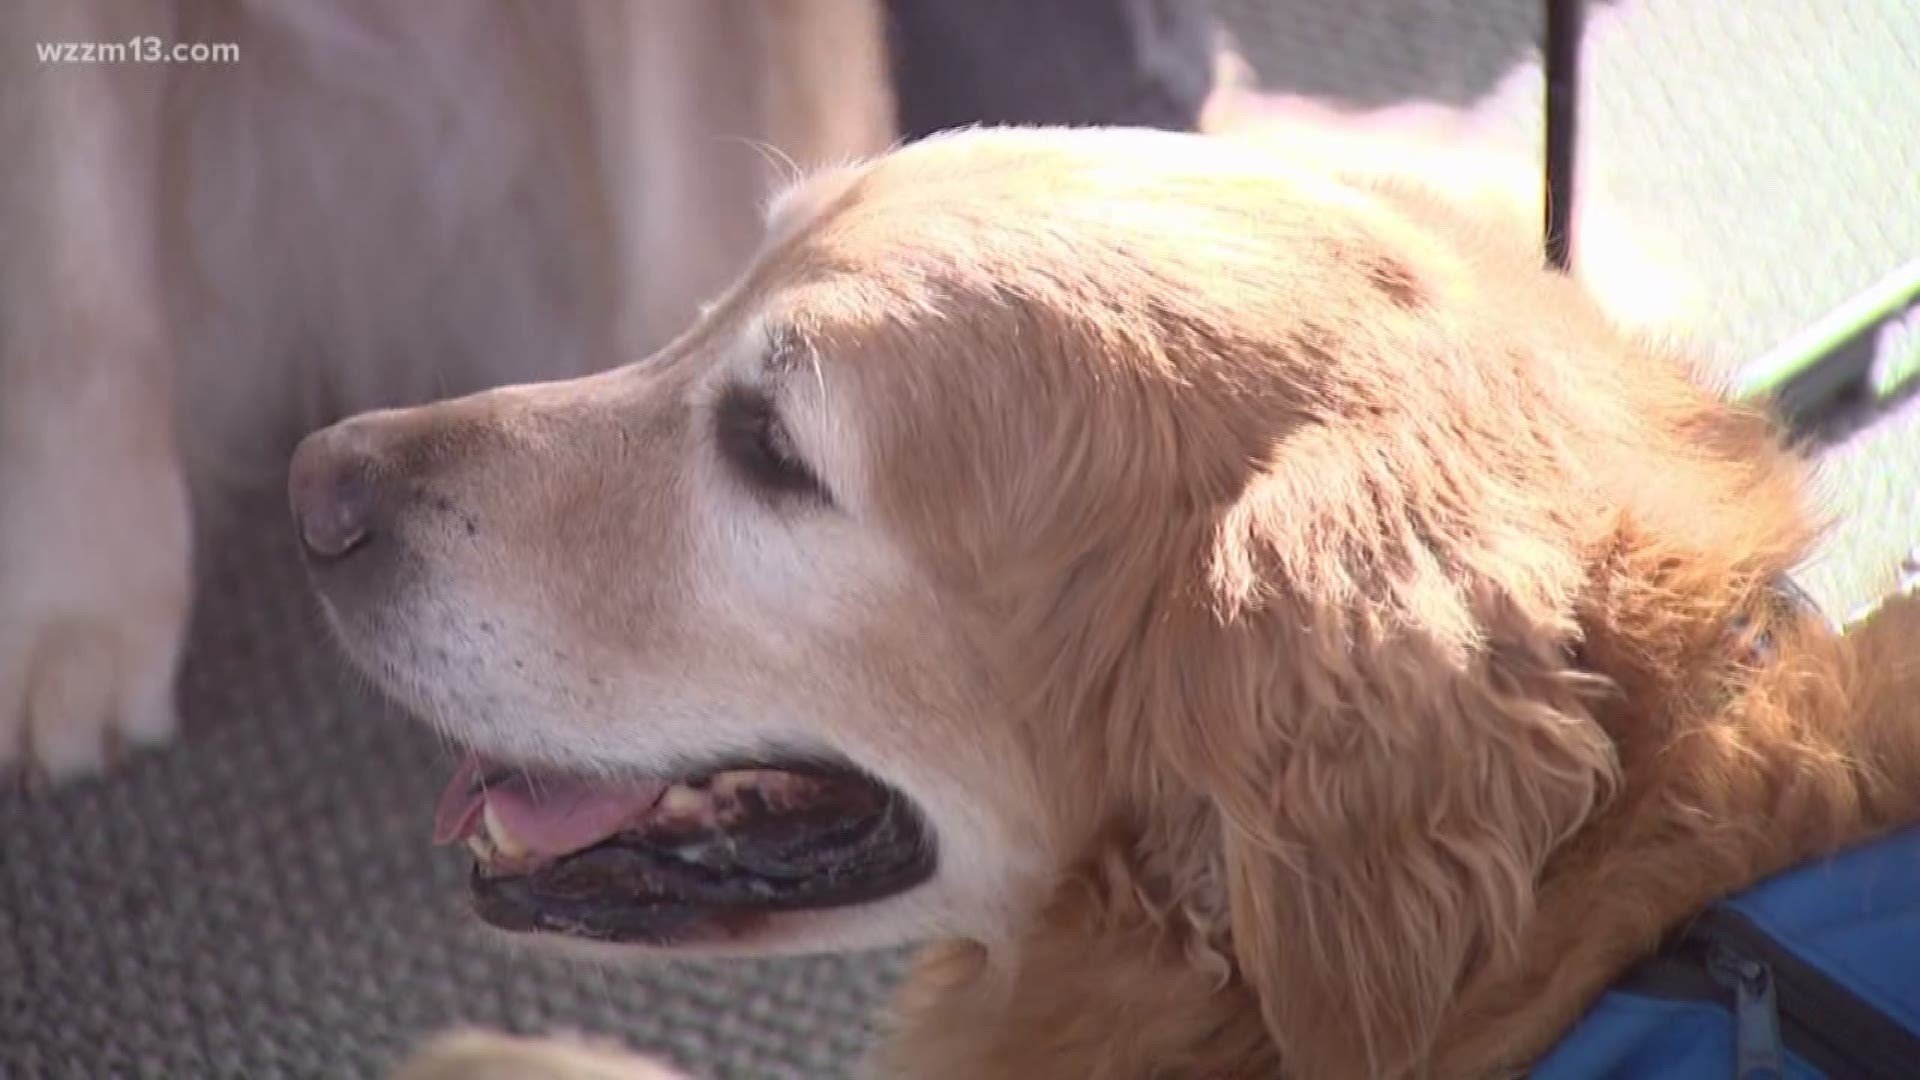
(95, 550)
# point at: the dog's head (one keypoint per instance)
(1030, 486)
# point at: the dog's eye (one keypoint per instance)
(755, 442)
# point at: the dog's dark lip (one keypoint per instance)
(667, 886)
(494, 777)
(799, 764)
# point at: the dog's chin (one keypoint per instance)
(741, 857)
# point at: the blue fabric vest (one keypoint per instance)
(1812, 973)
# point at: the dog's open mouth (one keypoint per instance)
(663, 862)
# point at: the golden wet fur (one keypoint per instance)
(1313, 631)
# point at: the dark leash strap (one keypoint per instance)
(1790, 600)
(1566, 20)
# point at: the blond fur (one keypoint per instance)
(1323, 643)
(374, 204)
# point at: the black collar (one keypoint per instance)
(1790, 600)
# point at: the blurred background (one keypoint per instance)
(258, 899)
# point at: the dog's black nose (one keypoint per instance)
(330, 485)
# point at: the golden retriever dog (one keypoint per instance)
(322, 207)
(1248, 618)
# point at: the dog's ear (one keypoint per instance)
(1382, 720)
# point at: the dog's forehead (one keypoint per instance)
(1019, 171)
(1015, 267)
(975, 204)
(792, 208)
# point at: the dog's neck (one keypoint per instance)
(1809, 747)
(1785, 745)
(1105, 983)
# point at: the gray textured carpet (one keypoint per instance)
(262, 902)
(259, 901)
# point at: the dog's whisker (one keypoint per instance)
(787, 170)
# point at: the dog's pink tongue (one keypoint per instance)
(550, 815)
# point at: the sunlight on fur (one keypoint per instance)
(1320, 640)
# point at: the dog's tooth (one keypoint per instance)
(505, 844)
(681, 799)
(733, 782)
